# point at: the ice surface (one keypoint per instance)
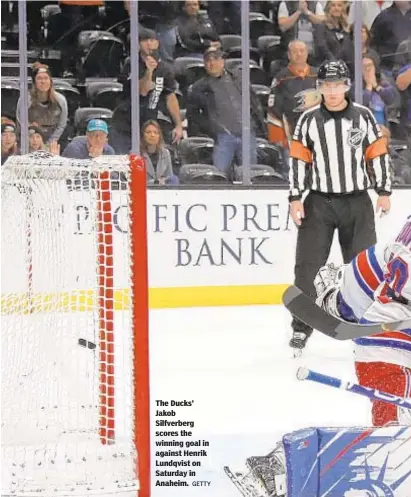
(235, 363)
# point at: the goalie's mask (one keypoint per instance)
(333, 77)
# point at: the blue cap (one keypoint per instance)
(97, 125)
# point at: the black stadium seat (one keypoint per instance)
(261, 174)
(103, 54)
(196, 149)
(10, 93)
(104, 93)
(83, 115)
(201, 174)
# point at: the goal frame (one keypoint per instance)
(140, 320)
(138, 302)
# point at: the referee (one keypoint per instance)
(337, 152)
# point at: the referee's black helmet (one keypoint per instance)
(333, 70)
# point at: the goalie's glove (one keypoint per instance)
(327, 284)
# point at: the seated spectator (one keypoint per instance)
(47, 107)
(293, 91)
(332, 38)
(156, 155)
(296, 20)
(214, 109)
(195, 33)
(378, 94)
(94, 144)
(36, 141)
(402, 73)
(158, 99)
(8, 140)
(389, 29)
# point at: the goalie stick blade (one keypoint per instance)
(305, 309)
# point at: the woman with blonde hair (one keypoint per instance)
(332, 38)
(47, 107)
(157, 156)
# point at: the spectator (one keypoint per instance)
(296, 20)
(370, 10)
(158, 100)
(402, 73)
(36, 141)
(390, 28)
(220, 11)
(8, 140)
(195, 32)
(332, 38)
(94, 144)
(166, 28)
(47, 107)
(157, 157)
(292, 93)
(165, 13)
(378, 94)
(217, 96)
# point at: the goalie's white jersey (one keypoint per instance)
(376, 288)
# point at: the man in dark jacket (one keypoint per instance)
(214, 109)
(158, 99)
(390, 28)
(195, 32)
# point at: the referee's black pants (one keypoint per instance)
(351, 214)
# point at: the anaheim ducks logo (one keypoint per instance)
(306, 99)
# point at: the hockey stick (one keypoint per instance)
(304, 308)
(373, 394)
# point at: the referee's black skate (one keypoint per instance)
(298, 342)
(301, 334)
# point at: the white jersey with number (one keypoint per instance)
(376, 288)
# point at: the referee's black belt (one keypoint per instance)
(357, 193)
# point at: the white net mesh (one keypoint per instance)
(67, 342)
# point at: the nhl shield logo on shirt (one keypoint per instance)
(355, 137)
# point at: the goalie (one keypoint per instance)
(376, 287)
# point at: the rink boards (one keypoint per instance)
(206, 248)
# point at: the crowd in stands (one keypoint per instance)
(190, 66)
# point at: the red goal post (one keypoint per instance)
(75, 340)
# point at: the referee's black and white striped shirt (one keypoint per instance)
(329, 152)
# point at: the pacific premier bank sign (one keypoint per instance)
(209, 234)
(199, 236)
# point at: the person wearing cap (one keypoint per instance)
(94, 144)
(195, 32)
(36, 141)
(158, 100)
(218, 95)
(8, 140)
(47, 107)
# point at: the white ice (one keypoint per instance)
(235, 363)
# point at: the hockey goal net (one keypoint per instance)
(74, 339)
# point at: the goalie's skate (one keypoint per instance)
(269, 471)
(245, 483)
